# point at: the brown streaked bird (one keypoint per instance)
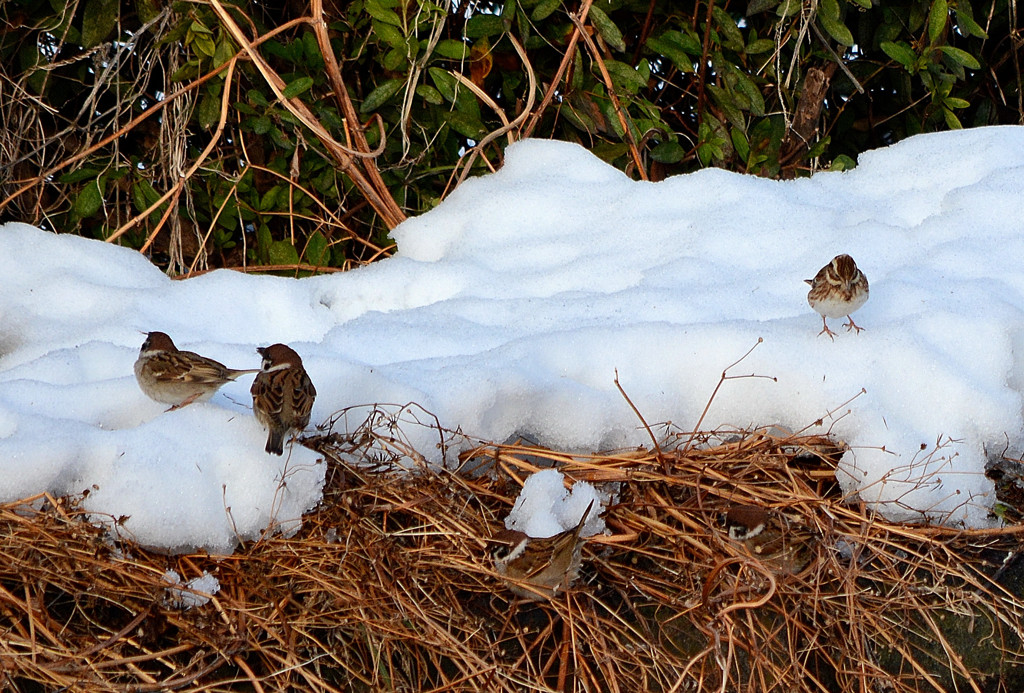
(769, 537)
(837, 290)
(536, 568)
(179, 378)
(282, 395)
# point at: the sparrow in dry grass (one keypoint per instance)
(769, 537)
(537, 568)
(282, 395)
(837, 291)
(179, 378)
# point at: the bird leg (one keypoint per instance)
(825, 330)
(187, 402)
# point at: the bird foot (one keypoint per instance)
(852, 325)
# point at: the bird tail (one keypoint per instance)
(275, 443)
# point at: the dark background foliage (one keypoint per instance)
(152, 124)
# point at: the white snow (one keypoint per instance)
(196, 592)
(507, 311)
(545, 507)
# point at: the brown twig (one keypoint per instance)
(380, 199)
(627, 134)
(563, 66)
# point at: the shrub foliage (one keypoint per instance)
(294, 135)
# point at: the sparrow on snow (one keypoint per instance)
(179, 378)
(282, 395)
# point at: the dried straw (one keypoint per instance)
(388, 585)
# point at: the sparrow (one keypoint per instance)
(837, 290)
(537, 568)
(282, 395)
(769, 537)
(179, 378)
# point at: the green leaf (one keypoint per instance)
(282, 253)
(377, 10)
(727, 103)
(901, 53)
(961, 57)
(760, 46)
(739, 143)
(481, 25)
(606, 28)
(224, 52)
(644, 70)
(311, 51)
(677, 47)
(317, 251)
(937, 17)
(256, 98)
(965, 20)
(534, 42)
(208, 111)
(951, 120)
(389, 34)
(731, 36)
(465, 124)
(147, 10)
(452, 49)
(609, 152)
(670, 50)
(269, 200)
(98, 20)
(444, 82)
(758, 6)
(788, 8)
(580, 119)
(198, 28)
(544, 9)
(79, 175)
(625, 77)
(508, 13)
(818, 148)
(608, 112)
(262, 125)
(201, 40)
(828, 15)
(331, 120)
(711, 145)
(143, 195)
(842, 163)
(187, 71)
(754, 162)
(297, 86)
(379, 96)
(395, 60)
(89, 200)
(668, 153)
(746, 86)
(429, 94)
(577, 70)
(954, 102)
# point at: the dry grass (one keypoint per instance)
(388, 587)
